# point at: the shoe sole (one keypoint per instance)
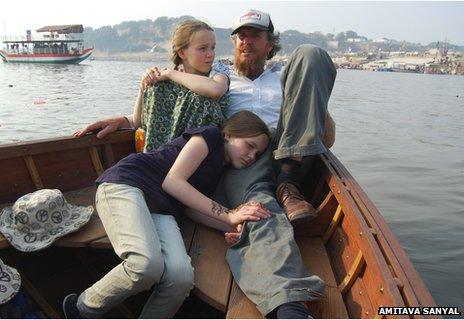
(302, 217)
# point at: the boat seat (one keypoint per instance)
(205, 246)
(316, 259)
(213, 280)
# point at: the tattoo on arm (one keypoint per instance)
(218, 209)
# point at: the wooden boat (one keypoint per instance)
(51, 44)
(349, 244)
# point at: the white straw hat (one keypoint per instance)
(10, 282)
(39, 218)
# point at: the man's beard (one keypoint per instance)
(250, 68)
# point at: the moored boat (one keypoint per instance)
(349, 244)
(51, 44)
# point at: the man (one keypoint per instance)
(265, 261)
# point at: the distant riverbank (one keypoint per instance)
(130, 56)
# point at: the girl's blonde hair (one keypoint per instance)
(181, 37)
(245, 124)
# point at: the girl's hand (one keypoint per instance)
(252, 211)
(152, 76)
(232, 237)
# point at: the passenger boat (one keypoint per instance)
(349, 244)
(51, 44)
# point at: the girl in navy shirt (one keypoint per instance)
(138, 199)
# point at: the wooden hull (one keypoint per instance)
(349, 244)
(46, 58)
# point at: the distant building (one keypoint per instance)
(332, 44)
(380, 40)
(354, 40)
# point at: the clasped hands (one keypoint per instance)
(251, 211)
(152, 76)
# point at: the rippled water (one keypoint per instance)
(400, 135)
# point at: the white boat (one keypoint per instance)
(51, 44)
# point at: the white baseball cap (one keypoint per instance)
(256, 19)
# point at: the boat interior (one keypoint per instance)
(349, 244)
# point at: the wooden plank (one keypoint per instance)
(240, 307)
(315, 227)
(108, 156)
(353, 273)
(358, 302)
(341, 252)
(96, 161)
(92, 231)
(16, 180)
(3, 242)
(333, 225)
(35, 176)
(66, 170)
(316, 259)
(415, 291)
(213, 279)
(82, 197)
(358, 231)
(19, 149)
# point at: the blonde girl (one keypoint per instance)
(170, 100)
(190, 94)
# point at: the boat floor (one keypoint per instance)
(81, 258)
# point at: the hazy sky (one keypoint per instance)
(422, 22)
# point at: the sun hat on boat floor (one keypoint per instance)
(37, 219)
(10, 282)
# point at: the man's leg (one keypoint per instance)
(307, 83)
(266, 262)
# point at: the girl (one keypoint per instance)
(169, 101)
(180, 100)
(138, 199)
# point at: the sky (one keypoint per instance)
(416, 21)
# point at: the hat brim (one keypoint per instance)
(78, 217)
(8, 289)
(253, 25)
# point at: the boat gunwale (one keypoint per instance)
(394, 256)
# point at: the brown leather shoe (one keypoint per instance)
(294, 204)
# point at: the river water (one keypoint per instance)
(400, 135)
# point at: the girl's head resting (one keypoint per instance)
(246, 138)
(193, 45)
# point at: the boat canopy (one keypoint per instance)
(63, 29)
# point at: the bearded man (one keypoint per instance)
(265, 260)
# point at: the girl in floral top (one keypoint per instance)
(190, 98)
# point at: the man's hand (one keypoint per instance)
(103, 127)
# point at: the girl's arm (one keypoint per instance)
(176, 184)
(208, 220)
(213, 88)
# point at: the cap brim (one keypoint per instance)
(253, 25)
